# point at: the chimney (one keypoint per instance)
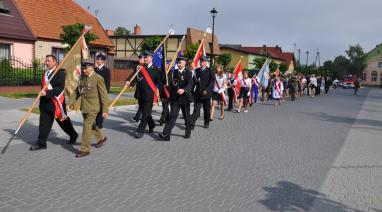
(264, 50)
(137, 30)
(110, 32)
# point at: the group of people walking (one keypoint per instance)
(176, 89)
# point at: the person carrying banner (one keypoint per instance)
(204, 79)
(231, 84)
(218, 96)
(180, 85)
(141, 62)
(245, 92)
(94, 99)
(52, 106)
(147, 93)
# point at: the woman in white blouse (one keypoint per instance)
(245, 92)
(312, 85)
(218, 96)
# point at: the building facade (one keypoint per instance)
(372, 75)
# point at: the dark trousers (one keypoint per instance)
(231, 95)
(326, 89)
(138, 114)
(46, 123)
(355, 90)
(206, 103)
(175, 107)
(165, 111)
(147, 108)
(318, 90)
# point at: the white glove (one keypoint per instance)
(249, 93)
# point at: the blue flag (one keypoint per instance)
(264, 76)
(158, 57)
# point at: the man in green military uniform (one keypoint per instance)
(94, 97)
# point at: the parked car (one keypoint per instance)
(348, 82)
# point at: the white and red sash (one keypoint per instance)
(277, 86)
(151, 83)
(222, 96)
(59, 111)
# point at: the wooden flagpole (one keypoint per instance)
(174, 58)
(200, 46)
(22, 122)
(135, 75)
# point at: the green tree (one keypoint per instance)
(341, 66)
(122, 31)
(283, 67)
(356, 59)
(272, 66)
(71, 33)
(150, 44)
(224, 60)
(259, 62)
(190, 51)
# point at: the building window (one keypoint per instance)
(3, 8)
(363, 76)
(59, 53)
(374, 76)
(379, 64)
(5, 50)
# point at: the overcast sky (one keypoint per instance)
(328, 25)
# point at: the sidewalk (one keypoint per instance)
(355, 178)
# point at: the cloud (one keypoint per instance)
(327, 25)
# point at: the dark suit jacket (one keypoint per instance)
(105, 73)
(178, 81)
(204, 81)
(143, 91)
(58, 85)
(162, 84)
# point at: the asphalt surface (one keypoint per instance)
(269, 159)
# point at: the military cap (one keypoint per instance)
(100, 56)
(203, 58)
(86, 64)
(148, 53)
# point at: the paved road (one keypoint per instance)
(270, 159)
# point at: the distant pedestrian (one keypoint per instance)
(218, 93)
(312, 85)
(357, 85)
(245, 92)
(278, 88)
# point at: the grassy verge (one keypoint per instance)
(117, 90)
(35, 110)
(123, 102)
(19, 95)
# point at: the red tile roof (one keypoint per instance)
(275, 52)
(45, 18)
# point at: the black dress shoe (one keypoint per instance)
(37, 147)
(138, 135)
(192, 127)
(164, 137)
(187, 136)
(161, 122)
(73, 139)
(151, 129)
(135, 120)
(206, 126)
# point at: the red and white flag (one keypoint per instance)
(238, 74)
(201, 52)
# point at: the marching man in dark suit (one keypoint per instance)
(146, 93)
(180, 85)
(164, 96)
(104, 72)
(52, 105)
(204, 79)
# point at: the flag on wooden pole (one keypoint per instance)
(201, 52)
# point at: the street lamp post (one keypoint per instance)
(213, 13)
(307, 58)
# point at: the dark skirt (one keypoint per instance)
(244, 93)
(216, 96)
